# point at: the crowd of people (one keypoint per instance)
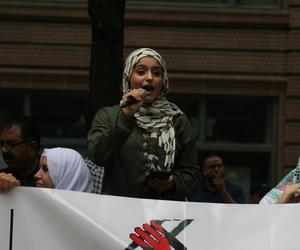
(144, 145)
(61, 168)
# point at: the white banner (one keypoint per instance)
(48, 219)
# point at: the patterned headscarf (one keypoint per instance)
(68, 170)
(132, 61)
(156, 119)
(293, 177)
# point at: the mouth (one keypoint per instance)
(39, 184)
(148, 88)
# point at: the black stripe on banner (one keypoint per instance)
(11, 228)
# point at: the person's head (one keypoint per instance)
(20, 143)
(63, 168)
(213, 166)
(42, 177)
(145, 68)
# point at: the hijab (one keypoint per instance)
(68, 170)
(293, 177)
(156, 119)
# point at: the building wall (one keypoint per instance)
(44, 47)
(208, 51)
(292, 107)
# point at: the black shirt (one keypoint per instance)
(203, 194)
(27, 181)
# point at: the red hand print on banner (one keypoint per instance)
(151, 237)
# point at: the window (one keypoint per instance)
(10, 102)
(240, 129)
(233, 121)
(61, 116)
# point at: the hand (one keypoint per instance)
(137, 94)
(161, 185)
(291, 194)
(219, 183)
(151, 237)
(7, 182)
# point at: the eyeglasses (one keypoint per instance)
(11, 144)
(215, 166)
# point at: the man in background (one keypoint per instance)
(20, 143)
(215, 188)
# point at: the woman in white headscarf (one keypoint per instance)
(63, 168)
(145, 144)
(60, 168)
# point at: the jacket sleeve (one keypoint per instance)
(186, 170)
(110, 129)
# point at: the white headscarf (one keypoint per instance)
(68, 170)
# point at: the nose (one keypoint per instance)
(217, 169)
(37, 176)
(149, 76)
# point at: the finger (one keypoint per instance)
(157, 226)
(145, 236)
(2, 186)
(2, 174)
(160, 185)
(14, 183)
(297, 199)
(157, 236)
(5, 186)
(2, 178)
(138, 240)
(171, 178)
(135, 93)
(160, 182)
(8, 182)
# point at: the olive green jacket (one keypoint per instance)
(118, 144)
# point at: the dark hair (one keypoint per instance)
(212, 155)
(29, 130)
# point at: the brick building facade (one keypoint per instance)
(247, 59)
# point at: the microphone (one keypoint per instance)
(131, 100)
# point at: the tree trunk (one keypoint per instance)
(106, 65)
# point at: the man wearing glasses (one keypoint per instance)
(19, 142)
(214, 187)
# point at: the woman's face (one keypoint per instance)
(148, 74)
(42, 177)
